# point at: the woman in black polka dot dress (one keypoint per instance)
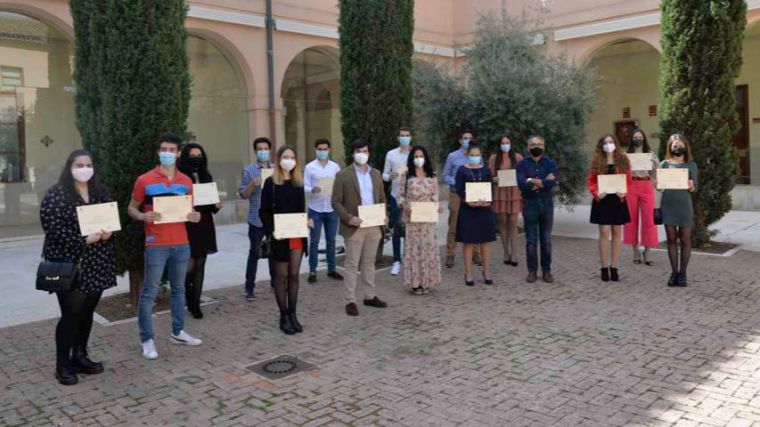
(77, 186)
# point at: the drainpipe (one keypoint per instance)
(270, 73)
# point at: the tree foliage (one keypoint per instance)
(701, 59)
(132, 80)
(376, 63)
(509, 85)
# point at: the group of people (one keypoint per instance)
(179, 249)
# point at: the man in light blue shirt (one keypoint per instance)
(395, 173)
(454, 161)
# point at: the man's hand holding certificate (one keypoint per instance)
(205, 194)
(266, 173)
(372, 215)
(173, 209)
(478, 192)
(326, 185)
(672, 179)
(424, 212)
(98, 218)
(291, 226)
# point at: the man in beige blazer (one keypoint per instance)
(359, 184)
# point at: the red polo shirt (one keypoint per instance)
(155, 184)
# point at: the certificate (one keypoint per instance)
(507, 178)
(424, 212)
(372, 215)
(266, 173)
(290, 226)
(640, 161)
(94, 218)
(672, 179)
(326, 185)
(612, 184)
(173, 208)
(477, 192)
(205, 194)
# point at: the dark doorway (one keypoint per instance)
(741, 138)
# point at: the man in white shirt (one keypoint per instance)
(320, 173)
(394, 172)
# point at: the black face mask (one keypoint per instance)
(536, 151)
(678, 152)
(637, 142)
(195, 163)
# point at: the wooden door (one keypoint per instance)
(624, 131)
(741, 138)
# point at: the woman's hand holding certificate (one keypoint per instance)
(99, 218)
(424, 212)
(205, 194)
(478, 192)
(291, 226)
(672, 179)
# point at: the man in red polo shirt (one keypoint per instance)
(166, 245)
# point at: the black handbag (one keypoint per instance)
(55, 276)
(657, 216)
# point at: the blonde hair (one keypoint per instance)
(296, 177)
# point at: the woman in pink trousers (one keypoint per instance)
(641, 203)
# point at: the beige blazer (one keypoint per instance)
(346, 196)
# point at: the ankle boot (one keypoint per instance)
(681, 279)
(286, 324)
(605, 274)
(673, 281)
(65, 374)
(296, 324)
(81, 363)
(614, 274)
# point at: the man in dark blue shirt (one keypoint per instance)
(536, 177)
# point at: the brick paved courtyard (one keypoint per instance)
(574, 352)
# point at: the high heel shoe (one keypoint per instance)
(614, 274)
(469, 282)
(487, 280)
(605, 274)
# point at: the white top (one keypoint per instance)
(313, 172)
(393, 160)
(365, 185)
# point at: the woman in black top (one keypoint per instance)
(202, 235)
(282, 194)
(94, 254)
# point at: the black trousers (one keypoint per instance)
(75, 324)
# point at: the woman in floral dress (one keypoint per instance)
(422, 259)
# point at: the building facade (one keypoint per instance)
(230, 101)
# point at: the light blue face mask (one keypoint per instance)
(262, 155)
(506, 147)
(405, 140)
(474, 160)
(166, 158)
(465, 143)
(322, 155)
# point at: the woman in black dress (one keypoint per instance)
(609, 211)
(475, 225)
(202, 235)
(283, 194)
(94, 254)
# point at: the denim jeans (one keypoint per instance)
(330, 222)
(398, 228)
(255, 235)
(156, 259)
(538, 217)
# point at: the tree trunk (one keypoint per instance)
(135, 284)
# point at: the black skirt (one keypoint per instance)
(610, 211)
(202, 236)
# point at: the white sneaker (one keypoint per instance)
(149, 350)
(184, 338)
(396, 269)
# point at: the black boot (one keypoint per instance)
(673, 281)
(81, 363)
(286, 324)
(294, 320)
(605, 274)
(66, 375)
(681, 279)
(614, 274)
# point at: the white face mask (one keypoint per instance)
(361, 158)
(419, 162)
(83, 174)
(609, 147)
(288, 164)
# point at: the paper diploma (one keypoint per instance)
(326, 185)
(205, 194)
(290, 226)
(507, 178)
(672, 179)
(612, 184)
(266, 173)
(424, 212)
(372, 215)
(173, 208)
(94, 218)
(640, 161)
(477, 192)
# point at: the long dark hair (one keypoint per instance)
(500, 154)
(183, 164)
(645, 147)
(599, 159)
(427, 167)
(97, 193)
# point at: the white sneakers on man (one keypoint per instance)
(149, 350)
(183, 338)
(396, 269)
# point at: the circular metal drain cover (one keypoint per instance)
(279, 367)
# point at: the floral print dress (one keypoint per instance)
(422, 258)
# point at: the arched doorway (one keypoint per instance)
(37, 116)
(626, 75)
(218, 117)
(311, 93)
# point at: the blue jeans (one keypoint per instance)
(255, 235)
(156, 259)
(330, 221)
(538, 218)
(398, 228)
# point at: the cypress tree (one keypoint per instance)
(701, 59)
(133, 83)
(376, 63)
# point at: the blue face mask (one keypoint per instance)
(166, 158)
(506, 147)
(474, 160)
(404, 140)
(322, 155)
(262, 155)
(465, 143)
